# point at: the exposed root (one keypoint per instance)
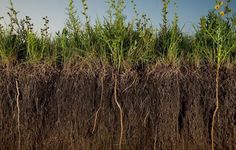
(101, 101)
(155, 142)
(130, 85)
(121, 113)
(95, 120)
(71, 137)
(18, 115)
(100, 106)
(217, 107)
(145, 119)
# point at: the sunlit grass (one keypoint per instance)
(116, 40)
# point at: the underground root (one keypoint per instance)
(216, 107)
(169, 108)
(18, 114)
(100, 106)
(121, 113)
(101, 100)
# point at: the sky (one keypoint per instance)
(189, 11)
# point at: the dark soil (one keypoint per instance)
(163, 108)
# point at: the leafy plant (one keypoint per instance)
(223, 38)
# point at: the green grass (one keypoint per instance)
(118, 41)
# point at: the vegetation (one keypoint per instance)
(117, 41)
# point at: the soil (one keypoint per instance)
(164, 107)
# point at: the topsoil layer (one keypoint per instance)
(163, 108)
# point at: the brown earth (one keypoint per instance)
(163, 108)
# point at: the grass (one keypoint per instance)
(114, 39)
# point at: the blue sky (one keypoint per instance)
(189, 11)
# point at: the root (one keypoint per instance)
(100, 106)
(72, 145)
(130, 85)
(18, 115)
(145, 119)
(95, 120)
(121, 114)
(216, 109)
(101, 100)
(155, 142)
